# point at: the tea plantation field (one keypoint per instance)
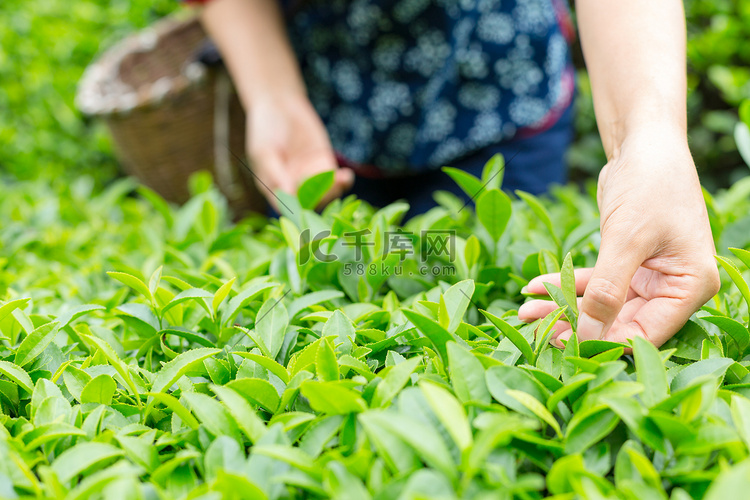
(149, 351)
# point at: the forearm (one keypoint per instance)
(635, 55)
(253, 42)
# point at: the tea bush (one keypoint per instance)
(149, 351)
(46, 45)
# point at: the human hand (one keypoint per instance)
(655, 266)
(287, 143)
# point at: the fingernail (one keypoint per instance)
(525, 289)
(592, 328)
(558, 341)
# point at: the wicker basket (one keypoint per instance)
(170, 115)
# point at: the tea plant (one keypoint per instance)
(148, 351)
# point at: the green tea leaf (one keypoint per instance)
(541, 213)
(472, 186)
(212, 414)
(68, 317)
(222, 294)
(467, 375)
(33, 345)
(536, 408)
(308, 300)
(736, 277)
(313, 189)
(271, 325)
(99, 389)
(493, 171)
(589, 430)
(293, 456)
(736, 330)
(493, 211)
(154, 280)
(572, 385)
(568, 283)
(11, 306)
(343, 484)
(326, 363)
(730, 482)
(258, 391)
(457, 299)
(17, 375)
(133, 282)
(82, 457)
(115, 361)
(512, 334)
(501, 379)
(472, 251)
(267, 363)
(340, 327)
(243, 298)
(438, 335)
(176, 368)
(650, 371)
(714, 367)
(228, 484)
(394, 381)
(140, 451)
(427, 444)
(176, 407)
(450, 413)
(245, 416)
(196, 294)
(741, 416)
(545, 331)
(46, 433)
(332, 398)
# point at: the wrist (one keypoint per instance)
(623, 117)
(258, 90)
(636, 132)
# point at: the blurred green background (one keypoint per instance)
(46, 44)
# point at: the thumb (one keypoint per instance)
(607, 289)
(270, 174)
(344, 179)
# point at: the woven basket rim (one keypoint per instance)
(93, 100)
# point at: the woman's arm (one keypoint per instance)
(655, 266)
(253, 42)
(635, 56)
(286, 139)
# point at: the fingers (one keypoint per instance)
(269, 172)
(565, 335)
(560, 329)
(273, 172)
(536, 309)
(344, 179)
(582, 277)
(661, 317)
(607, 289)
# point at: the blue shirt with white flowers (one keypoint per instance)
(410, 85)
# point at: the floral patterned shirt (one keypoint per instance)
(409, 85)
